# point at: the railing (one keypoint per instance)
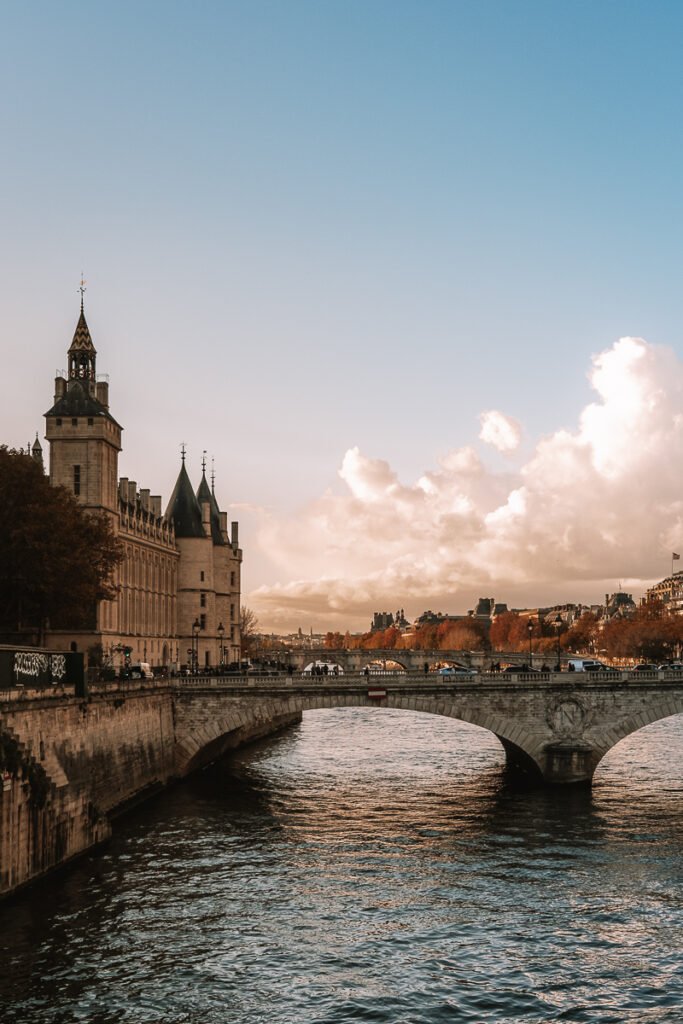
(419, 679)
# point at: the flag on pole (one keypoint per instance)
(674, 556)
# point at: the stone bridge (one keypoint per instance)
(556, 726)
(69, 763)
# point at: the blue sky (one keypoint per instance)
(312, 226)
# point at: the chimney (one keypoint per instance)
(132, 491)
(224, 525)
(206, 517)
(60, 388)
(123, 488)
(102, 393)
(234, 537)
(155, 504)
(144, 498)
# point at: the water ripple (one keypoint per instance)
(367, 867)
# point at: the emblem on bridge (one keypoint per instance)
(567, 719)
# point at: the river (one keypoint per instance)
(371, 866)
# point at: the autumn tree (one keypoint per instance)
(583, 633)
(57, 560)
(248, 631)
(333, 641)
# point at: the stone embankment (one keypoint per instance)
(70, 764)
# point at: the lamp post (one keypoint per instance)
(221, 634)
(195, 646)
(558, 627)
(530, 631)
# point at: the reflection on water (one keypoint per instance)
(370, 866)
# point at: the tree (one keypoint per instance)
(248, 631)
(57, 560)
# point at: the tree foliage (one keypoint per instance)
(56, 559)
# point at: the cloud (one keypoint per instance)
(591, 506)
(499, 430)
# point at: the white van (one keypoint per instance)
(141, 671)
(585, 665)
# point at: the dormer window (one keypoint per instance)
(90, 421)
(74, 422)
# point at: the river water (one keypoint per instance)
(369, 866)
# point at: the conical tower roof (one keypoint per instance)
(82, 341)
(183, 508)
(204, 493)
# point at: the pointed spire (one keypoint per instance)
(183, 508)
(203, 495)
(82, 353)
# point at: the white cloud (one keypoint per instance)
(499, 430)
(590, 507)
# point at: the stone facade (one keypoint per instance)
(179, 581)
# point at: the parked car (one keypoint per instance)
(645, 666)
(456, 670)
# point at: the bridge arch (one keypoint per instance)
(656, 712)
(222, 732)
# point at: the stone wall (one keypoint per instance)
(69, 765)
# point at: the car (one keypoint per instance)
(456, 670)
(645, 666)
(672, 666)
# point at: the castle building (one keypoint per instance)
(178, 584)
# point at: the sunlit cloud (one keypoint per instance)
(499, 430)
(591, 506)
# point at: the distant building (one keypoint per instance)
(669, 592)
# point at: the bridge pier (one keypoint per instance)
(569, 762)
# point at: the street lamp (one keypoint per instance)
(530, 631)
(195, 645)
(221, 634)
(558, 627)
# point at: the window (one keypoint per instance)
(77, 479)
(74, 422)
(59, 421)
(201, 576)
(232, 579)
(232, 632)
(202, 600)
(90, 421)
(202, 621)
(232, 611)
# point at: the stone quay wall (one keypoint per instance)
(71, 764)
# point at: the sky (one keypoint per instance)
(377, 260)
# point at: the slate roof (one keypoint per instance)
(184, 509)
(77, 401)
(205, 494)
